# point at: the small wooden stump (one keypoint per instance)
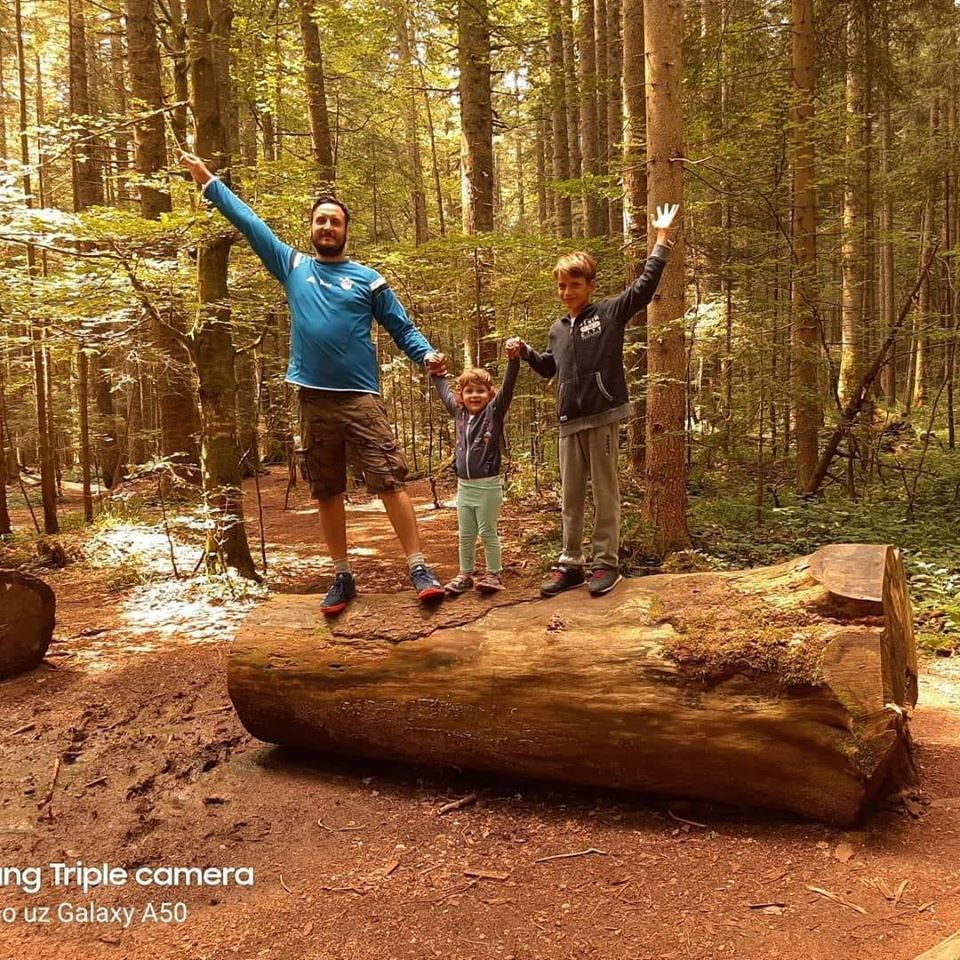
(785, 687)
(27, 616)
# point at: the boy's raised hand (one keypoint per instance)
(665, 216)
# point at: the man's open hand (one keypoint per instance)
(436, 363)
(198, 169)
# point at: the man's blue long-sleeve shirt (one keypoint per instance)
(332, 307)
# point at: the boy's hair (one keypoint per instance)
(576, 264)
(476, 376)
(329, 198)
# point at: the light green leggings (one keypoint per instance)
(478, 510)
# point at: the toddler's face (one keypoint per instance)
(475, 397)
(575, 292)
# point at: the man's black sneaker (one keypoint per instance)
(341, 592)
(603, 580)
(425, 583)
(560, 579)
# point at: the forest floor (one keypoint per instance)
(123, 749)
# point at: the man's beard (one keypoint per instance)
(329, 251)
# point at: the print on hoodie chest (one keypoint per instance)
(590, 328)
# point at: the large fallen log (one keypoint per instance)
(784, 687)
(27, 609)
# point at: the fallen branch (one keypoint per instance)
(458, 804)
(836, 898)
(856, 401)
(53, 784)
(692, 823)
(567, 856)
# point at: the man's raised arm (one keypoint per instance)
(276, 255)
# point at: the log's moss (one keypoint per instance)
(720, 632)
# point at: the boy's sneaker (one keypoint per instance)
(425, 583)
(489, 583)
(603, 580)
(341, 592)
(560, 579)
(461, 583)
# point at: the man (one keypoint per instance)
(333, 302)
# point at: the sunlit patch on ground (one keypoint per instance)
(172, 613)
(140, 551)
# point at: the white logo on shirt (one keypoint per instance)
(590, 328)
(346, 283)
(311, 279)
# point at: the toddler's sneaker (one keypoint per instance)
(461, 583)
(489, 583)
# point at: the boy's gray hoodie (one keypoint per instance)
(479, 437)
(586, 354)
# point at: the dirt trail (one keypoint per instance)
(353, 860)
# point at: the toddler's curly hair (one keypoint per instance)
(476, 376)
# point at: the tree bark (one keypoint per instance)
(808, 409)
(408, 95)
(635, 209)
(87, 182)
(5, 528)
(852, 253)
(211, 340)
(146, 84)
(572, 103)
(592, 225)
(614, 102)
(476, 114)
(665, 500)
(316, 95)
(558, 113)
(784, 687)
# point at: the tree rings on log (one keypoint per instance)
(784, 687)
(27, 610)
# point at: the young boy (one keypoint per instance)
(585, 353)
(479, 412)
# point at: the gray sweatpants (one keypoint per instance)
(590, 454)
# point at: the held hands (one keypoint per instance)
(663, 222)
(514, 348)
(198, 169)
(436, 364)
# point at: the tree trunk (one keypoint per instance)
(316, 95)
(665, 501)
(592, 226)
(572, 103)
(211, 340)
(177, 40)
(146, 84)
(543, 206)
(408, 94)
(852, 254)
(558, 112)
(635, 211)
(923, 365)
(87, 182)
(476, 114)
(808, 410)
(36, 326)
(614, 103)
(603, 86)
(785, 687)
(5, 528)
(83, 402)
(888, 305)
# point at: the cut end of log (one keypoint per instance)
(27, 615)
(785, 687)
